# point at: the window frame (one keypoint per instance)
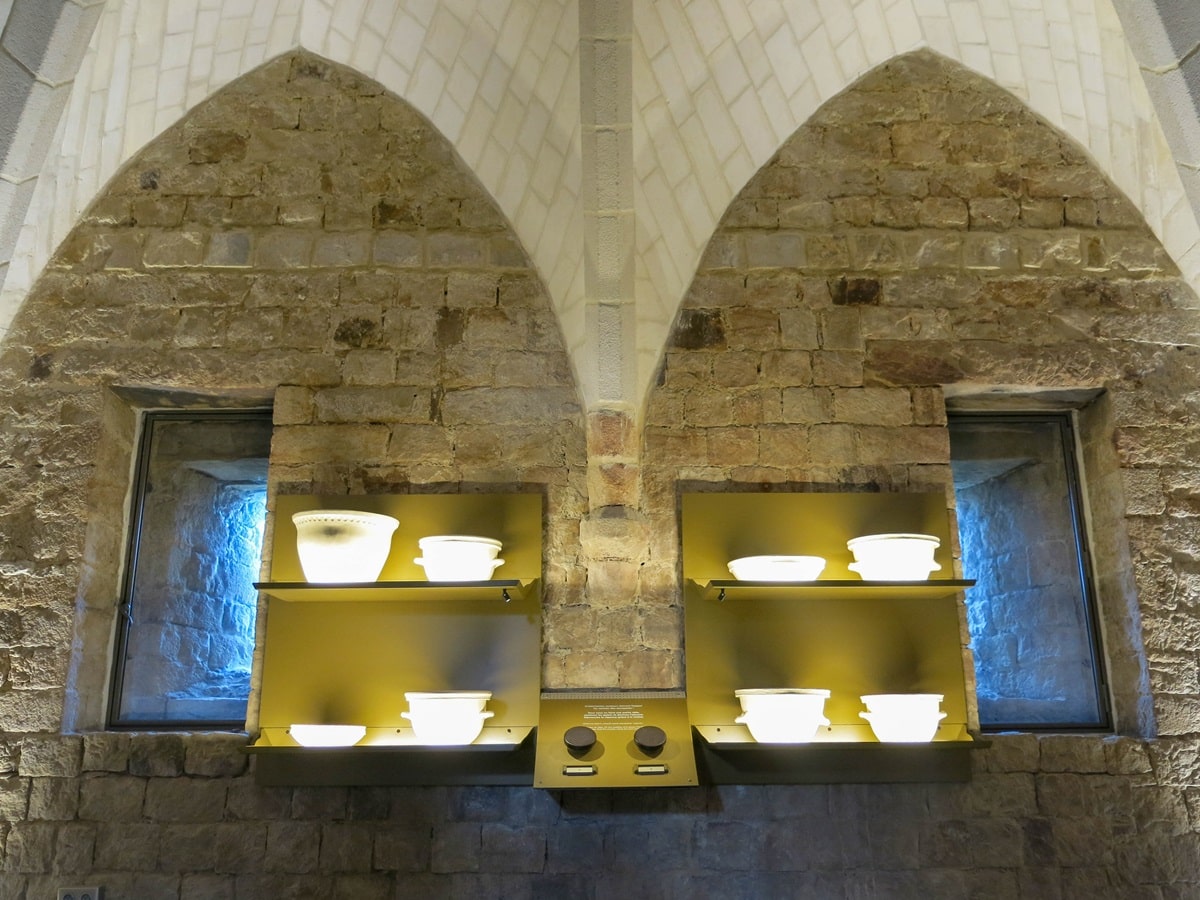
(124, 612)
(1067, 423)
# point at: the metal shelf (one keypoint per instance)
(724, 761)
(500, 589)
(501, 760)
(730, 589)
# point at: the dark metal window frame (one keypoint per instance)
(125, 611)
(1069, 445)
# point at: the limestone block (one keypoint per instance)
(612, 484)
(649, 669)
(126, 846)
(29, 848)
(184, 800)
(1143, 492)
(617, 630)
(74, 847)
(160, 755)
(51, 757)
(14, 798)
(856, 212)
(780, 249)
(172, 249)
(342, 249)
(398, 248)
(229, 249)
(1000, 252)
(837, 368)
(571, 628)
(394, 403)
(105, 751)
(1068, 753)
(897, 212)
(28, 711)
(216, 755)
(873, 406)
(613, 533)
(451, 249)
(284, 249)
(330, 443)
(809, 215)
(55, 799)
(111, 799)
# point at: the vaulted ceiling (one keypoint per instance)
(612, 133)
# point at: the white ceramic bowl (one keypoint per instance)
(447, 718)
(343, 546)
(458, 557)
(903, 718)
(777, 568)
(894, 557)
(782, 715)
(307, 735)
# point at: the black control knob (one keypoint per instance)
(579, 739)
(650, 739)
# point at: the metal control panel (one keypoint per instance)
(606, 739)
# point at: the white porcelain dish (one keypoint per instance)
(777, 568)
(782, 715)
(903, 718)
(447, 718)
(894, 557)
(343, 546)
(458, 557)
(310, 735)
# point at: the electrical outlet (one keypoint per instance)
(79, 893)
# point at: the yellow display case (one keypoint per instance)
(837, 633)
(347, 654)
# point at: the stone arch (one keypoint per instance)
(924, 231)
(301, 234)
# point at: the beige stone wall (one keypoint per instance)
(305, 234)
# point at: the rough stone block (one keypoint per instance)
(174, 249)
(51, 757)
(292, 847)
(111, 799)
(127, 847)
(341, 249)
(14, 798)
(284, 249)
(781, 249)
(159, 755)
(230, 249)
(398, 248)
(56, 799)
(449, 249)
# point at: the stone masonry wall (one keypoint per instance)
(304, 233)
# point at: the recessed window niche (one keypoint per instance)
(179, 511)
(185, 638)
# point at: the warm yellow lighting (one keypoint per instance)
(777, 568)
(894, 557)
(782, 715)
(327, 735)
(447, 718)
(903, 718)
(458, 557)
(343, 546)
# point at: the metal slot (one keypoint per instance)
(579, 770)
(650, 769)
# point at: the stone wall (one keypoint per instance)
(306, 234)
